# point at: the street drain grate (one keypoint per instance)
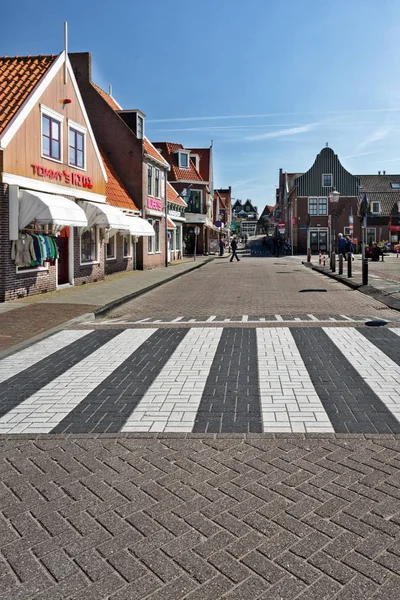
(307, 291)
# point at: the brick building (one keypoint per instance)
(191, 174)
(142, 170)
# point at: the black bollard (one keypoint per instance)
(333, 262)
(340, 264)
(349, 265)
(365, 272)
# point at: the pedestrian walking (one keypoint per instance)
(234, 246)
(342, 245)
(349, 248)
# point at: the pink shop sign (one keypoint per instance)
(155, 204)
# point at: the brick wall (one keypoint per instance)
(13, 285)
(89, 273)
(119, 263)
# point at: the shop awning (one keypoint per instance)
(171, 224)
(139, 226)
(47, 209)
(104, 215)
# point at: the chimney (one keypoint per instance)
(82, 66)
(379, 172)
(384, 172)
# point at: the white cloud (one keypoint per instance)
(375, 136)
(282, 132)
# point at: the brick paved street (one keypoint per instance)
(240, 442)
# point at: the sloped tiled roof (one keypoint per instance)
(149, 149)
(168, 150)
(109, 99)
(172, 196)
(378, 189)
(19, 75)
(116, 193)
(171, 224)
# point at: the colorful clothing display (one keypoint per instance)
(33, 249)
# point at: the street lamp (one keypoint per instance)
(334, 198)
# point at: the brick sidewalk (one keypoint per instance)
(198, 517)
(24, 319)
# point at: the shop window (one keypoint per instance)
(76, 141)
(51, 137)
(157, 183)
(149, 180)
(194, 201)
(371, 236)
(150, 240)
(111, 250)
(127, 244)
(156, 226)
(89, 245)
(178, 238)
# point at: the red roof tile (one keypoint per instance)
(149, 149)
(116, 193)
(19, 75)
(168, 150)
(172, 196)
(109, 99)
(171, 224)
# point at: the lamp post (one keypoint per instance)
(334, 198)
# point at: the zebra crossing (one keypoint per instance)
(268, 319)
(205, 380)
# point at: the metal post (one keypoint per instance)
(364, 258)
(135, 252)
(340, 264)
(195, 246)
(349, 264)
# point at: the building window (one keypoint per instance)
(162, 185)
(157, 183)
(172, 240)
(317, 207)
(127, 246)
(111, 248)
(371, 236)
(139, 127)
(326, 180)
(51, 137)
(395, 186)
(194, 201)
(76, 148)
(346, 231)
(178, 238)
(150, 240)
(149, 180)
(156, 226)
(195, 161)
(183, 160)
(376, 208)
(89, 245)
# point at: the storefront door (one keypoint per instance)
(63, 258)
(318, 240)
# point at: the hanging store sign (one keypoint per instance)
(63, 176)
(154, 204)
(174, 213)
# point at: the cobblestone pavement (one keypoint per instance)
(239, 518)
(388, 269)
(254, 286)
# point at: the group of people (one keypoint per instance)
(345, 246)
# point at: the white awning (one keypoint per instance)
(104, 215)
(47, 209)
(139, 226)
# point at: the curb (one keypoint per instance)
(368, 290)
(100, 312)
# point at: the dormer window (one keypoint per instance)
(195, 160)
(140, 123)
(135, 121)
(184, 160)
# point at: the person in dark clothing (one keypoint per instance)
(234, 246)
(342, 245)
(349, 248)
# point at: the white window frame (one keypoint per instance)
(162, 184)
(81, 129)
(97, 246)
(327, 175)
(394, 185)
(346, 231)
(195, 159)
(375, 212)
(127, 235)
(157, 171)
(137, 127)
(318, 213)
(150, 239)
(114, 256)
(151, 192)
(181, 166)
(159, 237)
(52, 114)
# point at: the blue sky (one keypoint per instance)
(269, 81)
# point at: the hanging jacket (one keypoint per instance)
(23, 251)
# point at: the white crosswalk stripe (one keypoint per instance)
(289, 402)
(172, 401)
(42, 411)
(379, 371)
(14, 364)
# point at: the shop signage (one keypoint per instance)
(281, 225)
(394, 228)
(63, 176)
(174, 213)
(154, 204)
